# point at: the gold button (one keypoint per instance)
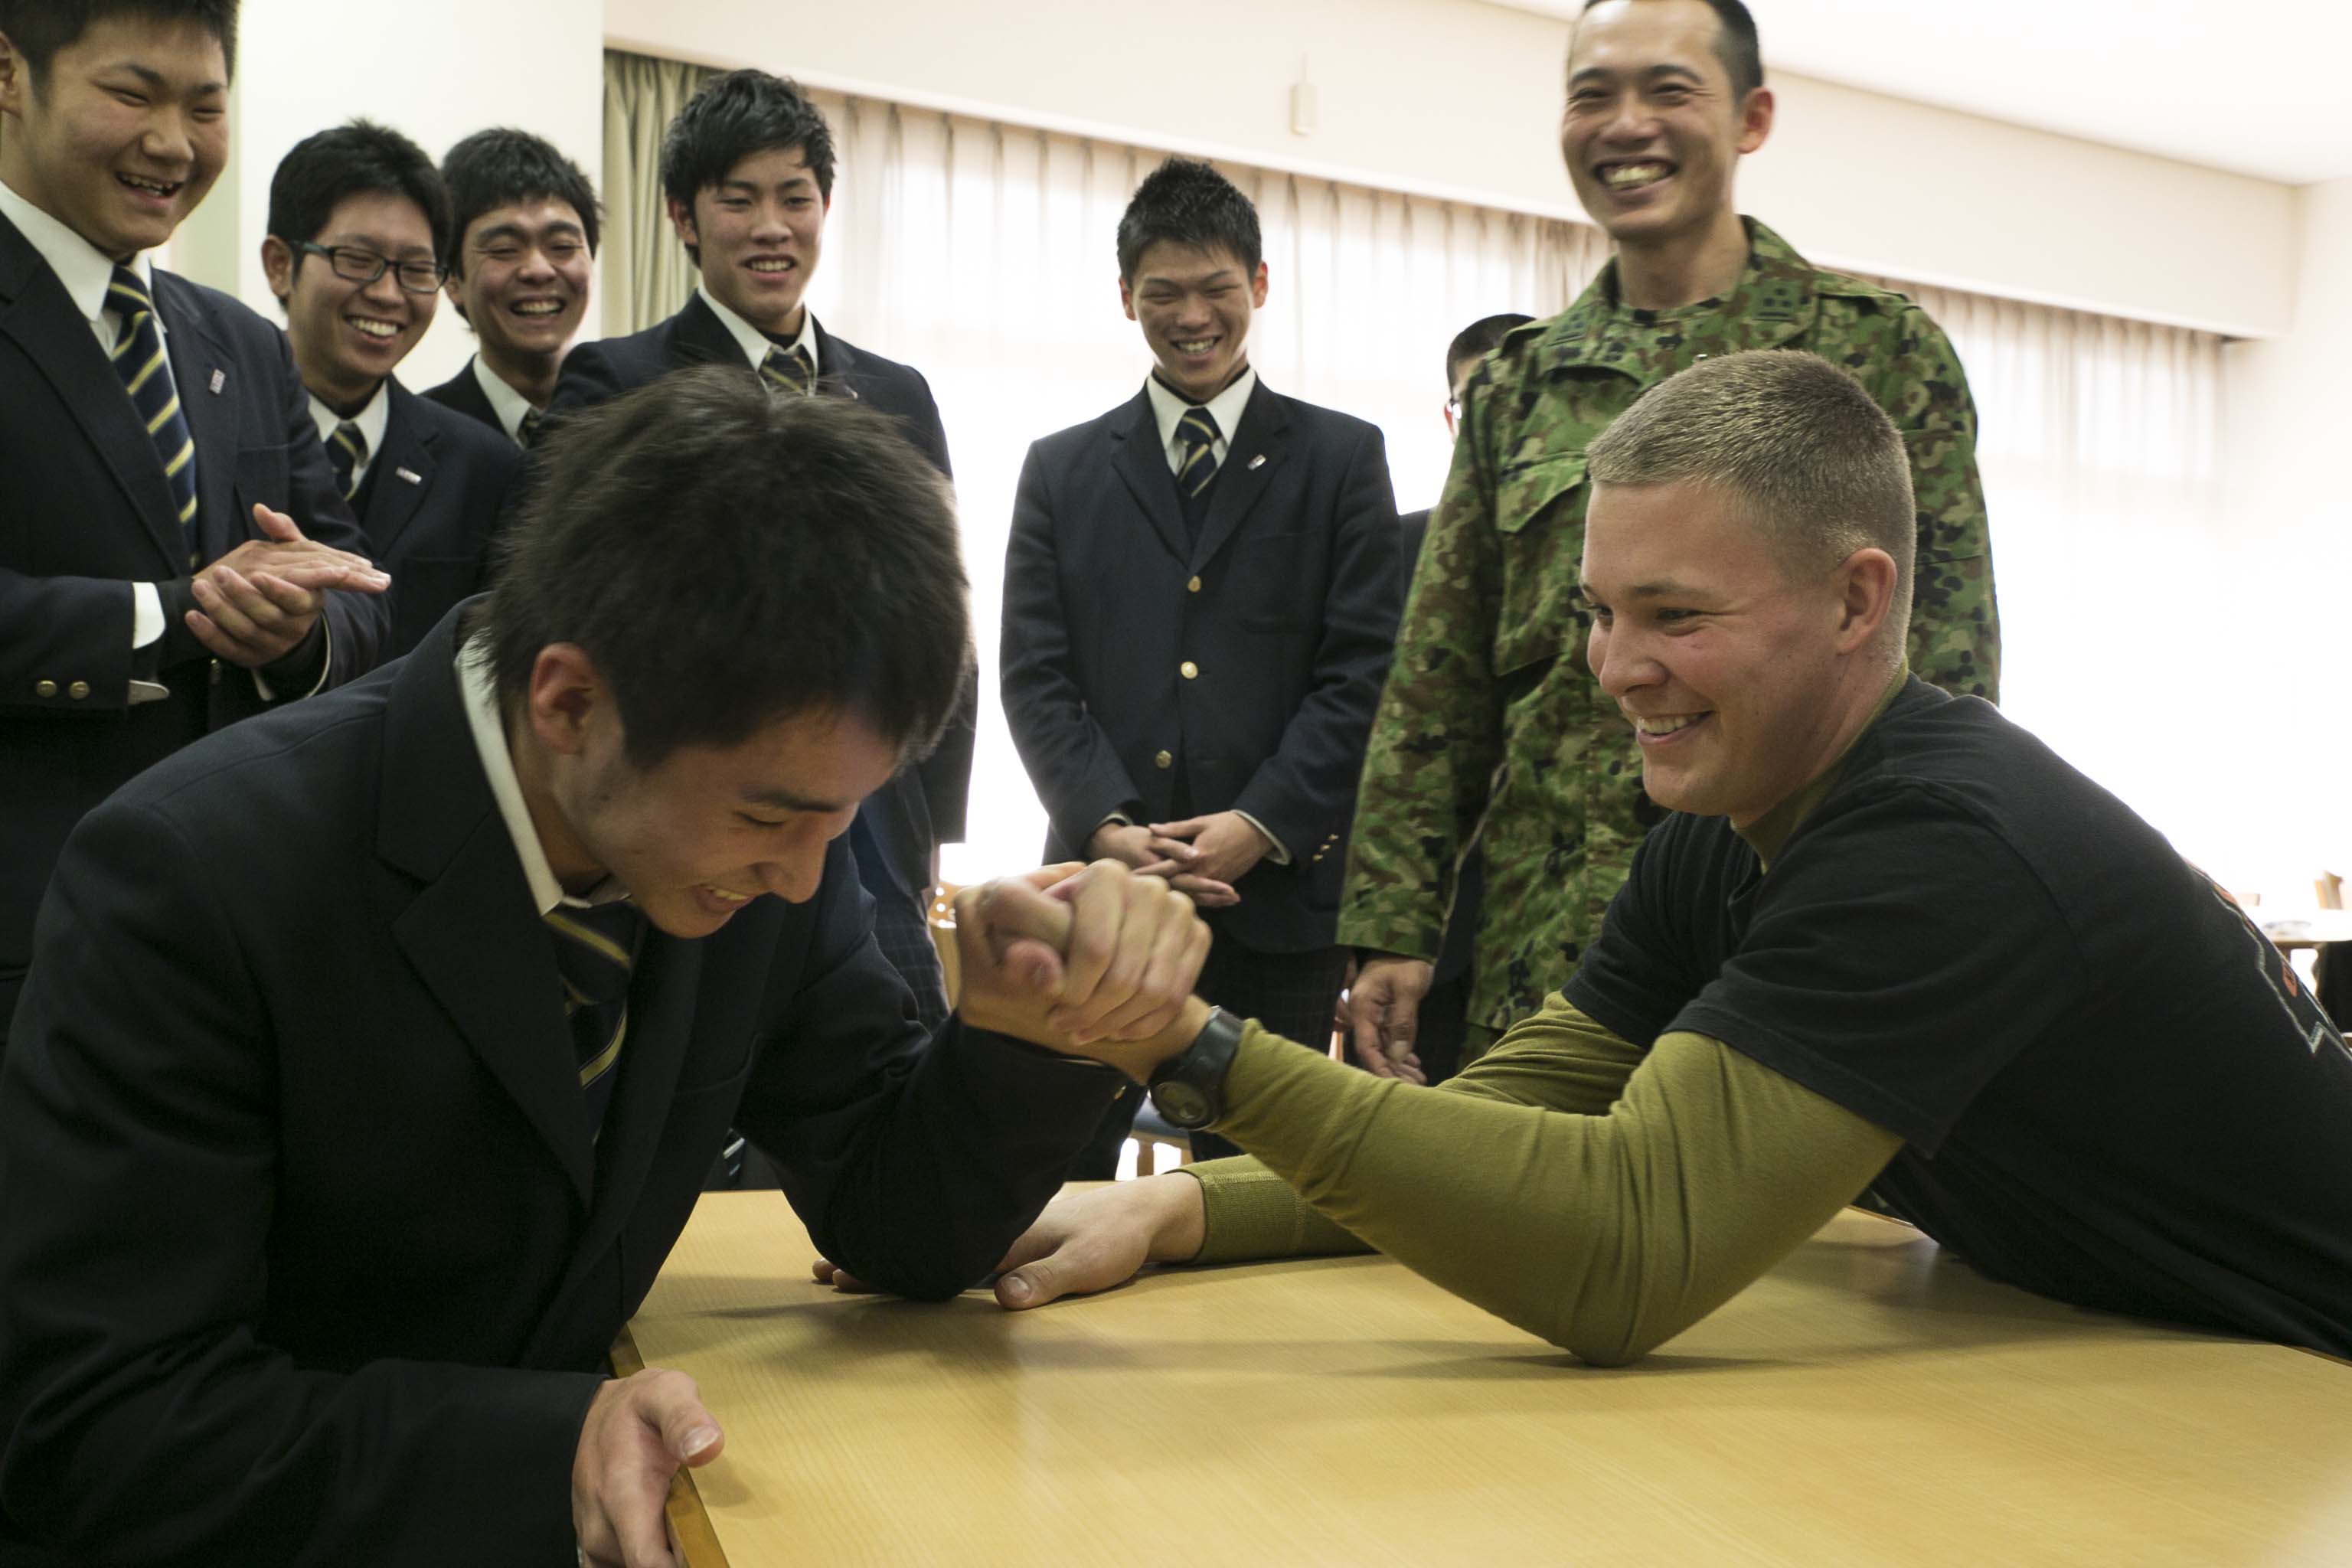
(77, 690)
(45, 688)
(1163, 760)
(1192, 586)
(193, 559)
(1188, 669)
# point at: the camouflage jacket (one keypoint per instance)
(1491, 722)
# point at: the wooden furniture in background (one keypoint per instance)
(1870, 1401)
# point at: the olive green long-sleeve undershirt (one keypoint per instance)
(1600, 1196)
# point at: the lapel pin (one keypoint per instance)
(408, 474)
(1256, 463)
(219, 380)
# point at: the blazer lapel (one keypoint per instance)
(1251, 458)
(35, 310)
(470, 933)
(207, 377)
(394, 500)
(698, 337)
(836, 367)
(1142, 464)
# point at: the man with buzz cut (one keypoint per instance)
(174, 552)
(1883, 937)
(1491, 725)
(358, 220)
(747, 170)
(1199, 592)
(521, 256)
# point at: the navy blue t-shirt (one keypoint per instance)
(2112, 1090)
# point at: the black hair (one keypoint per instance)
(349, 160)
(730, 117)
(39, 28)
(729, 559)
(502, 168)
(1735, 46)
(1477, 340)
(1186, 201)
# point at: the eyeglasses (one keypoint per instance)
(354, 265)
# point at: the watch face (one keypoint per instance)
(1181, 1104)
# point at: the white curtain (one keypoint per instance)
(644, 275)
(985, 254)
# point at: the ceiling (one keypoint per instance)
(2262, 89)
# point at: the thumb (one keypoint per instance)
(1032, 1285)
(687, 1431)
(1013, 906)
(274, 525)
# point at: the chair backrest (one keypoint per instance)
(2329, 889)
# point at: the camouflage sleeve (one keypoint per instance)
(1955, 621)
(1438, 731)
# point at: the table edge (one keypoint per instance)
(692, 1537)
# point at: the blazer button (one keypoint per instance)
(1189, 671)
(194, 560)
(77, 690)
(45, 688)
(1163, 760)
(1192, 586)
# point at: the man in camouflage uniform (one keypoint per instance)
(1491, 724)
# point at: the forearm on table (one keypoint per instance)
(1606, 1235)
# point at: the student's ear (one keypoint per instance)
(1754, 119)
(562, 699)
(1127, 298)
(1257, 289)
(1866, 597)
(681, 217)
(14, 76)
(456, 299)
(277, 267)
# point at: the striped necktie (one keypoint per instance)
(595, 949)
(1198, 431)
(347, 451)
(139, 361)
(788, 370)
(527, 428)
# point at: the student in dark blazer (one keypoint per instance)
(1200, 593)
(373, 1055)
(1443, 1011)
(357, 217)
(146, 596)
(747, 169)
(522, 254)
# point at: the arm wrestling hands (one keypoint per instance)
(1093, 961)
(258, 602)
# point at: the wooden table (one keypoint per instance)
(2290, 928)
(1870, 1401)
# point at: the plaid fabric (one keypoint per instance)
(904, 935)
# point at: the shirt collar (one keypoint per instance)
(508, 403)
(1770, 833)
(372, 419)
(1168, 406)
(756, 343)
(82, 267)
(479, 690)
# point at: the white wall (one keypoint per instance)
(1461, 99)
(303, 66)
(2280, 627)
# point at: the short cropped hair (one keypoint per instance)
(1735, 44)
(503, 168)
(1476, 340)
(729, 559)
(350, 160)
(1186, 201)
(730, 117)
(1817, 466)
(39, 28)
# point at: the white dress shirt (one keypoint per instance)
(756, 343)
(479, 688)
(1168, 407)
(508, 403)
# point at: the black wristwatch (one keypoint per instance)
(1189, 1088)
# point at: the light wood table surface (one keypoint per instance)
(1870, 1401)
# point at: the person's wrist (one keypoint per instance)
(1171, 1042)
(1179, 1217)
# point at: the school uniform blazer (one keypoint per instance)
(306, 1252)
(431, 506)
(463, 392)
(925, 806)
(85, 510)
(1284, 612)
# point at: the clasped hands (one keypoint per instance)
(1200, 857)
(258, 602)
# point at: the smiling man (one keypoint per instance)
(1491, 724)
(521, 257)
(173, 553)
(358, 220)
(1199, 592)
(1884, 936)
(374, 1054)
(747, 170)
